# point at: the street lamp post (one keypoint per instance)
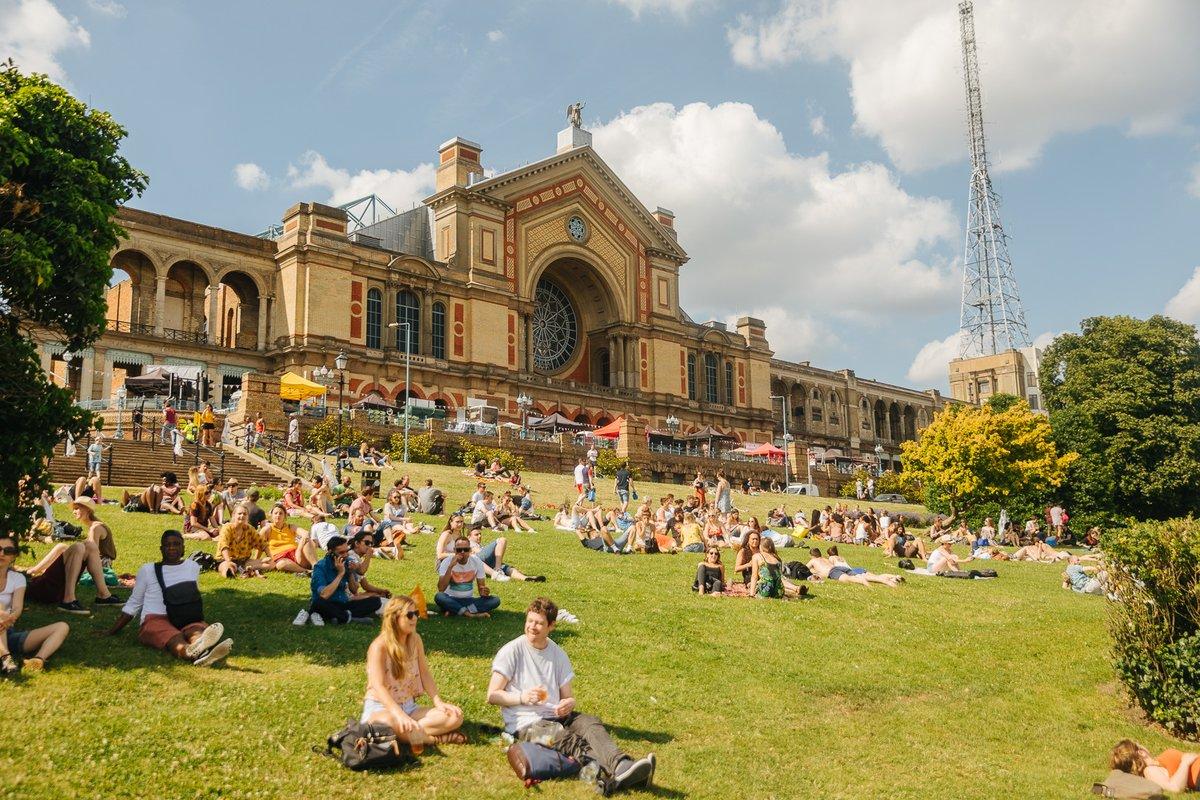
(524, 402)
(122, 393)
(673, 425)
(340, 361)
(787, 437)
(407, 372)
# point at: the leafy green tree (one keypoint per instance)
(1125, 394)
(973, 458)
(61, 181)
(1002, 401)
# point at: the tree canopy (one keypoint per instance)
(61, 181)
(1125, 394)
(972, 457)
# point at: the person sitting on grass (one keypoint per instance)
(94, 530)
(743, 564)
(397, 674)
(167, 598)
(532, 680)
(1173, 770)
(1081, 579)
(484, 512)
(331, 599)
(691, 535)
(290, 547)
(525, 505)
(229, 499)
(54, 578)
(714, 529)
(457, 578)
(395, 519)
(293, 500)
(387, 543)
(242, 550)
(200, 522)
(710, 573)
(344, 461)
(430, 499)
(508, 514)
(322, 530)
(766, 572)
(33, 646)
(319, 499)
(361, 552)
(491, 554)
(943, 559)
(85, 486)
(901, 545)
(254, 513)
(169, 494)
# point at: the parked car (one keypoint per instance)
(890, 498)
(807, 489)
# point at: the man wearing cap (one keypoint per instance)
(230, 498)
(322, 529)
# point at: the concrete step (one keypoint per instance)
(139, 464)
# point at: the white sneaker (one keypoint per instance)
(301, 617)
(207, 638)
(216, 654)
(500, 577)
(315, 619)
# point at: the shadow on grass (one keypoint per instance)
(655, 737)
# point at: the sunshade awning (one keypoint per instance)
(296, 387)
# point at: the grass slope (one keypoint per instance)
(997, 689)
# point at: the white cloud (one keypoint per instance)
(766, 227)
(818, 127)
(399, 188)
(1185, 305)
(33, 32)
(677, 7)
(931, 367)
(793, 334)
(1042, 341)
(251, 177)
(495, 36)
(1194, 183)
(1047, 68)
(109, 8)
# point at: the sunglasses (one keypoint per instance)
(462, 549)
(411, 614)
(9, 551)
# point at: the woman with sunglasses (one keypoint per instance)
(36, 645)
(397, 674)
(710, 573)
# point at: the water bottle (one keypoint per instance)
(590, 773)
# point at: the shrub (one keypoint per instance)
(323, 435)
(607, 463)
(420, 448)
(887, 483)
(472, 453)
(1154, 571)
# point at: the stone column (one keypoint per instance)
(612, 360)
(886, 433)
(86, 374)
(528, 329)
(622, 361)
(262, 322)
(425, 343)
(214, 322)
(160, 304)
(634, 362)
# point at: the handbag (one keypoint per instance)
(365, 746)
(184, 604)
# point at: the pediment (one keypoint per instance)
(580, 171)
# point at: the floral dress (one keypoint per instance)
(770, 580)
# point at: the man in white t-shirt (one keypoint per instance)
(179, 629)
(485, 512)
(942, 559)
(581, 477)
(457, 579)
(323, 530)
(531, 681)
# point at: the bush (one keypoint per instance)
(323, 435)
(608, 462)
(472, 453)
(420, 448)
(1154, 571)
(887, 483)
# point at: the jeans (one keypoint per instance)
(478, 605)
(168, 433)
(339, 613)
(622, 540)
(93, 465)
(780, 539)
(694, 547)
(592, 731)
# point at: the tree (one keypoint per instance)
(970, 458)
(61, 181)
(1125, 394)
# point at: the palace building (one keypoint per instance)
(552, 280)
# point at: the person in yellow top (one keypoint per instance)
(291, 548)
(208, 426)
(691, 536)
(241, 548)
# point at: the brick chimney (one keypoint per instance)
(458, 163)
(666, 218)
(752, 329)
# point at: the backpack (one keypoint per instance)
(534, 763)
(207, 562)
(651, 544)
(797, 571)
(363, 746)
(65, 531)
(905, 563)
(1131, 787)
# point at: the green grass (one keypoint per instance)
(938, 689)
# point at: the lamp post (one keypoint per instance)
(407, 372)
(878, 460)
(340, 361)
(524, 402)
(787, 437)
(122, 393)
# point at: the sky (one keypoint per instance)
(813, 151)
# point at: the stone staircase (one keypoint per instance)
(140, 464)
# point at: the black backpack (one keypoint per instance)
(365, 746)
(207, 562)
(797, 571)
(65, 531)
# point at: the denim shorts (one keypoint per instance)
(371, 707)
(16, 641)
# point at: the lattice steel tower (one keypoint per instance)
(992, 319)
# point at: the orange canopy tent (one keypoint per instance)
(610, 431)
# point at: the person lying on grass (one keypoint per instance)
(242, 550)
(397, 674)
(825, 569)
(1081, 579)
(836, 559)
(332, 600)
(167, 598)
(710, 573)
(1173, 770)
(1039, 551)
(457, 579)
(491, 554)
(33, 646)
(291, 548)
(531, 681)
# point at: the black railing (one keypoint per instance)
(142, 329)
(277, 452)
(125, 326)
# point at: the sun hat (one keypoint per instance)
(945, 538)
(85, 501)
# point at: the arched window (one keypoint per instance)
(818, 414)
(728, 383)
(374, 318)
(437, 335)
(691, 375)
(408, 309)
(710, 377)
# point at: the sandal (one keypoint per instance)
(454, 737)
(8, 666)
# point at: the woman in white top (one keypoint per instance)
(397, 674)
(35, 645)
(395, 515)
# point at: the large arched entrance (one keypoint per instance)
(573, 312)
(237, 312)
(131, 293)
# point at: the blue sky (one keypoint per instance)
(814, 152)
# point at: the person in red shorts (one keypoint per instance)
(167, 598)
(1173, 770)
